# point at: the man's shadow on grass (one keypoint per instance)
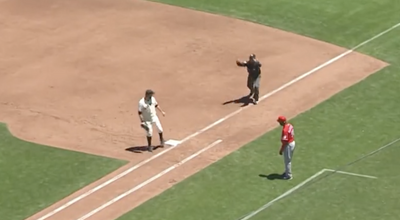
(245, 101)
(140, 149)
(272, 176)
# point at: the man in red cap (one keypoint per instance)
(287, 147)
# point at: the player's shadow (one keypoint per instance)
(245, 101)
(140, 149)
(272, 176)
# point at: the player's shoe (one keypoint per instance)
(287, 177)
(162, 143)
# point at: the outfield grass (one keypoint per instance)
(331, 135)
(32, 176)
(342, 22)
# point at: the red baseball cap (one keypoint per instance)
(281, 118)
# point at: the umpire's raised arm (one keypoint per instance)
(241, 63)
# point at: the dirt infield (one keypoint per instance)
(73, 71)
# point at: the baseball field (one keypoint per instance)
(72, 72)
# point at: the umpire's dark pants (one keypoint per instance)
(254, 85)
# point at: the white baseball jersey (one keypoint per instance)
(148, 109)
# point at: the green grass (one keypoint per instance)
(352, 123)
(33, 176)
(342, 22)
(336, 132)
(344, 196)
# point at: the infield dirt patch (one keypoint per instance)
(72, 73)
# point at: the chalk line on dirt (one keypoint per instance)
(126, 172)
(134, 189)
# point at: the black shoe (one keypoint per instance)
(287, 177)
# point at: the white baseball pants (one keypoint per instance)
(149, 125)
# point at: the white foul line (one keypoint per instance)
(351, 174)
(134, 189)
(327, 63)
(126, 172)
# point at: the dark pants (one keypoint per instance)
(254, 86)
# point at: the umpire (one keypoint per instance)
(253, 79)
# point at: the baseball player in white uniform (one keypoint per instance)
(148, 116)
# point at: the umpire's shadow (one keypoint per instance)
(272, 176)
(140, 149)
(245, 100)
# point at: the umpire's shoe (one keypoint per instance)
(150, 148)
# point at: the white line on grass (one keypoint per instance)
(290, 191)
(351, 174)
(134, 189)
(250, 215)
(262, 208)
(375, 151)
(126, 172)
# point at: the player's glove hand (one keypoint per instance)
(280, 152)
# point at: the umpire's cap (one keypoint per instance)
(149, 92)
(252, 56)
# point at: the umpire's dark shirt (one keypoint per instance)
(253, 68)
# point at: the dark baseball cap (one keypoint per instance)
(149, 92)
